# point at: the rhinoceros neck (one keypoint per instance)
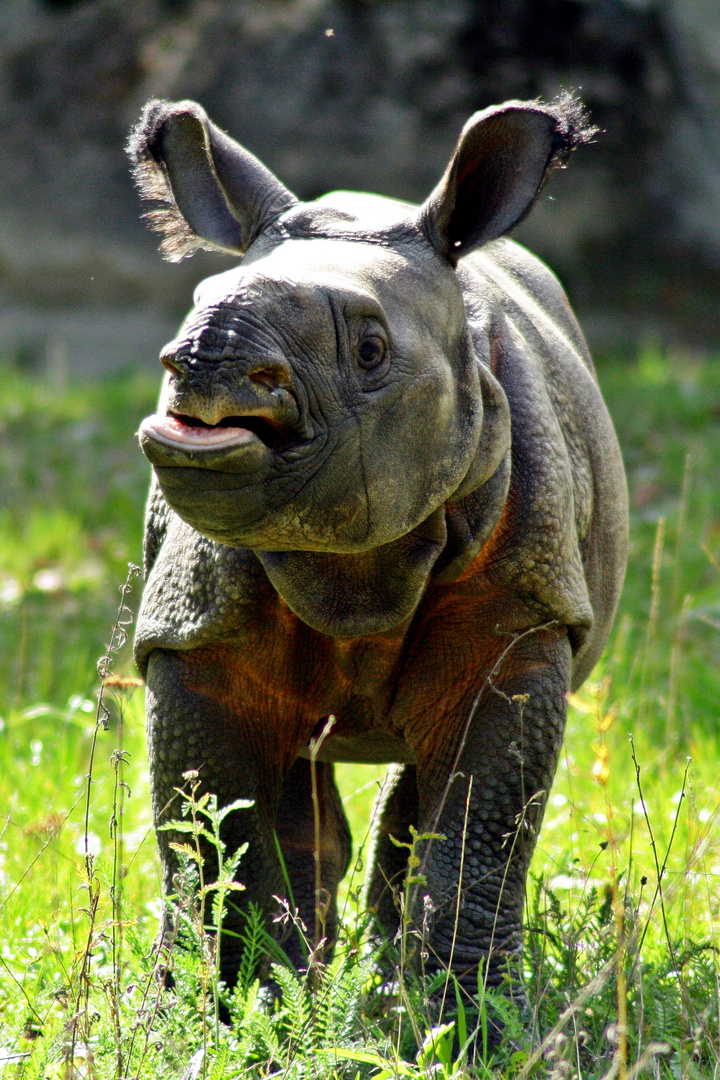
(372, 592)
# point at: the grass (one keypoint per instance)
(624, 897)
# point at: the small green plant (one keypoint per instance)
(202, 819)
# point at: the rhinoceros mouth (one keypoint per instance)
(191, 433)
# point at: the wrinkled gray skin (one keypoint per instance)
(417, 523)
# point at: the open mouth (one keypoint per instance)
(179, 430)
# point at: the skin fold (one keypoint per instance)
(385, 489)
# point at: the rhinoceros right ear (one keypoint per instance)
(501, 162)
(216, 194)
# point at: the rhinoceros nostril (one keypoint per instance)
(263, 378)
(169, 366)
(269, 376)
(167, 359)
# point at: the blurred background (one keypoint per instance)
(366, 94)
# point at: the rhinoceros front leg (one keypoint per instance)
(485, 789)
(192, 724)
(395, 810)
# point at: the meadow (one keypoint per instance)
(621, 964)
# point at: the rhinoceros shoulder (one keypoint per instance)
(198, 592)
(522, 280)
(561, 542)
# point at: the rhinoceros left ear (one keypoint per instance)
(501, 162)
(216, 194)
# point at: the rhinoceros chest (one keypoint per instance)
(276, 671)
(286, 672)
(385, 692)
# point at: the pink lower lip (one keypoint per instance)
(170, 430)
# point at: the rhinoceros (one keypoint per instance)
(385, 490)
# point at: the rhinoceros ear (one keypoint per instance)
(215, 193)
(501, 162)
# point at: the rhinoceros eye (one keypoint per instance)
(371, 351)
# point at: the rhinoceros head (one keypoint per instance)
(323, 395)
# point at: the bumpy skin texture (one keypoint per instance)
(420, 529)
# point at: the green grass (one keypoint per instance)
(72, 488)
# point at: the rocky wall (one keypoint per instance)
(353, 94)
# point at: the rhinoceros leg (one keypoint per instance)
(192, 723)
(298, 833)
(395, 810)
(491, 811)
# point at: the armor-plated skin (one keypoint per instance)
(386, 489)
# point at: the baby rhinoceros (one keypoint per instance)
(385, 490)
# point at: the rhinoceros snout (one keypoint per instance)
(194, 361)
(213, 384)
(203, 404)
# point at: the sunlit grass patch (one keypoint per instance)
(72, 490)
(626, 867)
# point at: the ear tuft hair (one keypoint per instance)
(152, 181)
(573, 127)
(213, 193)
